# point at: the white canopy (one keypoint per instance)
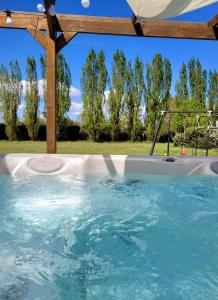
(160, 9)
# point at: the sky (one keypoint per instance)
(18, 44)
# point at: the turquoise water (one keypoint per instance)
(108, 237)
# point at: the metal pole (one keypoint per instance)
(169, 133)
(207, 142)
(156, 134)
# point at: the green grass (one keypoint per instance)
(84, 147)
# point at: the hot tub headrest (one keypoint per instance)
(214, 167)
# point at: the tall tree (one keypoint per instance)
(135, 86)
(167, 81)
(159, 77)
(181, 98)
(63, 88)
(93, 83)
(213, 90)
(117, 93)
(10, 96)
(198, 83)
(32, 99)
(63, 91)
(43, 74)
(182, 92)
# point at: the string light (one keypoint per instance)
(51, 10)
(9, 19)
(85, 3)
(41, 8)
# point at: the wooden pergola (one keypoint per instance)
(45, 28)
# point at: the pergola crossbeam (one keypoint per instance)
(38, 35)
(113, 26)
(213, 22)
(64, 39)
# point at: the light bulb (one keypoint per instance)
(51, 10)
(85, 3)
(9, 20)
(40, 8)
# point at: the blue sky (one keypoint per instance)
(19, 44)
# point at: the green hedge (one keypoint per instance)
(196, 138)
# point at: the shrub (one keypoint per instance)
(22, 133)
(164, 137)
(42, 132)
(3, 135)
(196, 138)
(83, 135)
(73, 132)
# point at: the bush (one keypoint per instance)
(83, 135)
(164, 137)
(42, 133)
(123, 136)
(3, 135)
(196, 139)
(22, 133)
(178, 140)
(73, 132)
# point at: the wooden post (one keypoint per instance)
(51, 96)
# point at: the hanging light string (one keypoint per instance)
(41, 9)
(9, 19)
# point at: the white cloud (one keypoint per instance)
(76, 108)
(40, 87)
(75, 93)
(106, 94)
(21, 107)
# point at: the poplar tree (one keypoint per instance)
(43, 74)
(182, 92)
(32, 99)
(148, 94)
(117, 93)
(159, 78)
(10, 96)
(93, 83)
(198, 83)
(181, 98)
(63, 91)
(135, 86)
(213, 90)
(63, 88)
(167, 81)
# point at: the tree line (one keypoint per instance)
(138, 93)
(11, 91)
(128, 98)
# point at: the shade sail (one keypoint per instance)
(160, 9)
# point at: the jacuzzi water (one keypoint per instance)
(108, 237)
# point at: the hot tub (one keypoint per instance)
(108, 227)
(24, 164)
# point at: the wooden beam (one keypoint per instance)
(64, 39)
(114, 26)
(24, 20)
(150, 28)
(174, 29)
(51, 68)
(51, 20)
(213, 22)
(38, 35)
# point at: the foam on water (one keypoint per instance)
(108, 237)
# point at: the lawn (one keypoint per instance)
(84, 147)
